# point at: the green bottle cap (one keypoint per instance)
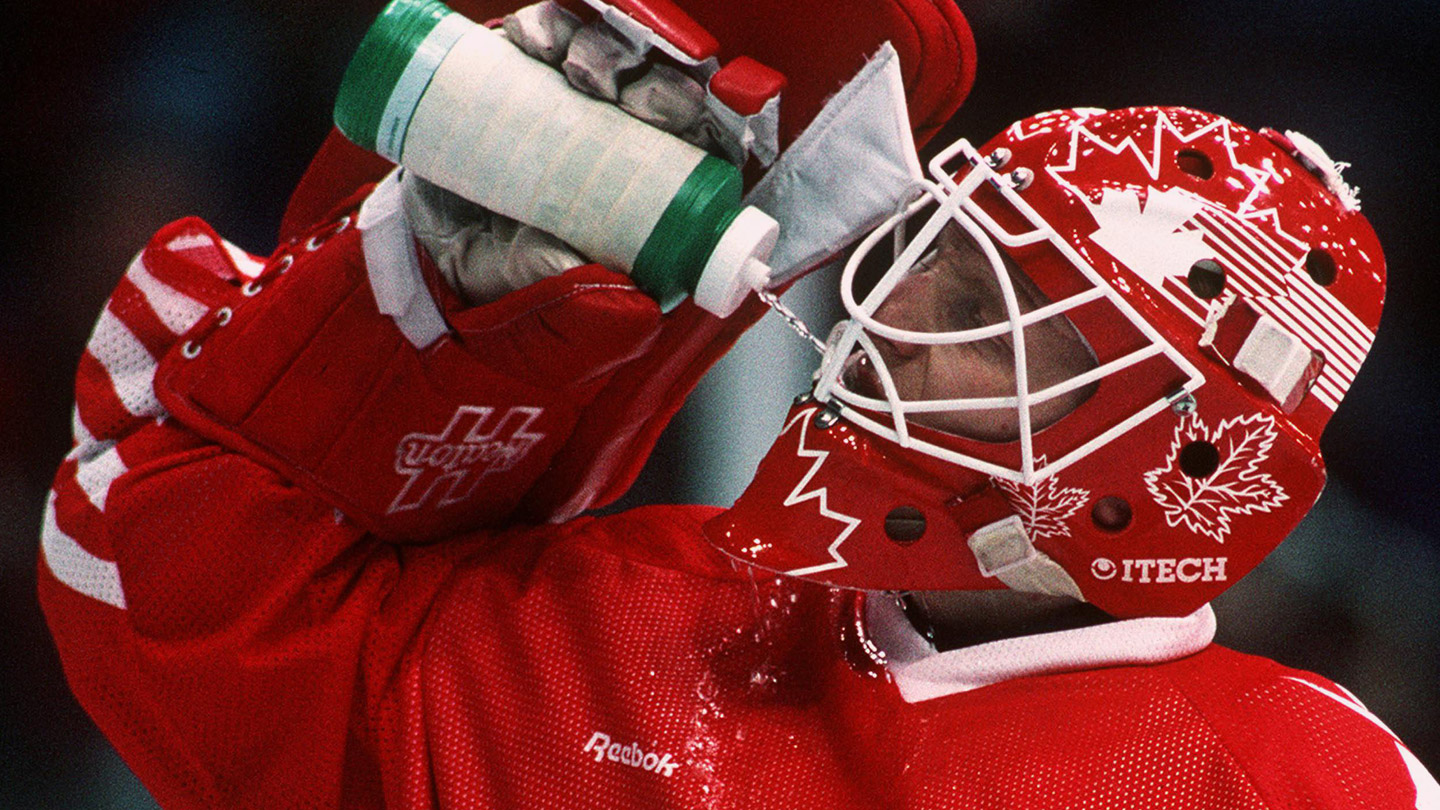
(390, 71)
(669, 264)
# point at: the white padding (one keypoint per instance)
(1274, 358)
(1001, 545)
(1003, 550)
(393, 266)
(921, 673)
(852, 167)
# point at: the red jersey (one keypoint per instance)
(244, 644)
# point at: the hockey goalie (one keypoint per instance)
(321, 541)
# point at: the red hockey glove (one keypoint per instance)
(297, 367)
(421, 406)
(625, 407)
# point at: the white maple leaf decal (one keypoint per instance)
(1236, 487)
(1149, 241)
(804, 492)
(1046, 506)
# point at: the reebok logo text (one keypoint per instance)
(632, 755)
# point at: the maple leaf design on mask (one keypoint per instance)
(1205, 505)
(1150, 240)
(1045, 506)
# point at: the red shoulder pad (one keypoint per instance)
(1303, 740)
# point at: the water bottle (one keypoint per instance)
(462, 107)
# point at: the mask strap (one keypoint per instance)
(1003, 550)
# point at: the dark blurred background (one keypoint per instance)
(121, 116)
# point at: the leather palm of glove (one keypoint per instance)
(484, 255)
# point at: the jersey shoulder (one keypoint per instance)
(1215, 729)
(1304, 740)
(662, 539)
(666, 536)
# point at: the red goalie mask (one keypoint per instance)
(1177, 305)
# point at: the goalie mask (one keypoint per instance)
(1093, 358)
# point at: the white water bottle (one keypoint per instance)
(462, 107)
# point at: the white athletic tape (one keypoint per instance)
(508, 132)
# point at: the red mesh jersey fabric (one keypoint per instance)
(750, 690)
(303, 666)
(1335, 748)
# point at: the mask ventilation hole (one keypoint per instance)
(1199, 459)
(1206, 278)
(1321, 267)
(1112, 513)
(1195, 164)
(905, 525)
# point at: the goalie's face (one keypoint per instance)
(953, 288)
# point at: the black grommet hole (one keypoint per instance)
(1112, 513)
(1206, 278)
(905, 524)
(1199, 459)
(1321, 267)
(1195, 163)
